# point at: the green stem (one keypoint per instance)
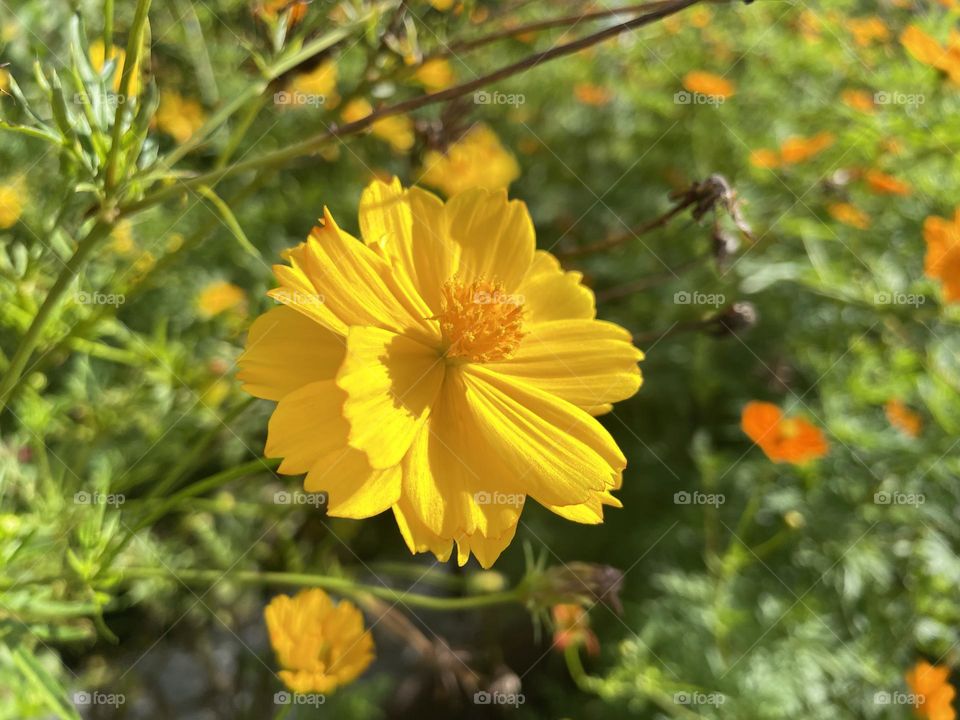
(337, 584)
(107, 27)
(131, 65)
(19, 360)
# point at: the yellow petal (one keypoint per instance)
(346, 283)
(495, 236)
(353, 488)
(419, 537)
(391, 382)
(556, 452)
(551, 294)
(486, 550)
(589, 363)
(307, 424)
(285, 351)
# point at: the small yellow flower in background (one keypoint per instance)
(765, 159)
(849, 215)
(121, 238)
(396, 130)
(179, 117)
(942, 261)
(436, 74)
(442, 368)
(701, 16)
(441, 5)
(798, 149)
(590, 94)
(883, 184)
(98, 59)
(704, 83)
(13, 196)
(220, 296)
(903, 418)
(478, 159)
(809, 25)
(929, 51)
(866, 31)
(859, 100)
(4, 80)
(934, 693)
(313, 88)
(319, 644)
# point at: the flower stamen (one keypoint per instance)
(479, 321)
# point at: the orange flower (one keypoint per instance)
(796, 149)
(903, 418)
(934, 693)
(942, 260)
(868, 30)
(792, 440)
(884, 184)
(849, 215)
(572, 628)
(704, 83)
(858, 100)
(590, 94)
(929, 51)
(765, 159)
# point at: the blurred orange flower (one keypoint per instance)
(942, 260)
(590, 94)
(903, 418)
(796, 149)
(271, 9)
(884, 184)
(792, 440)
(704, 83)
(868, 30)
(765, 159)
(858, 100)
(849, 215)
(934, 693)
(572, 628)
(929, 51)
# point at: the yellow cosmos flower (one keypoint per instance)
(319, 644)
(476, 160)
(98, 58)
(435, 74)
(849, 215)
(397, 130)
(315, 87)
(442, 368)
(121, 238)
(704, 83)
(219, 297)
(179, 117)
(441, 5)
(13, 197)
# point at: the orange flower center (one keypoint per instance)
(479, 321)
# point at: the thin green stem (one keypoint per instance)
(341, 585)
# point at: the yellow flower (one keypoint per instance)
(13, 197)
(798, 149)
(765, 158)
(590, 94)
(475, 160)
(435, 74)
(121, 238)
(4, 80)
(849, 215)
(220, 296)
(868, 30)
(928, 51)
(397, 130)
(704, 83)
(442, 368)
(98, 59)
(179, 117)
(441, 5)
(315, 87)
(320, 645)
(934, 693)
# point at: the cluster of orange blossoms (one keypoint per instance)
(933, 691)
(791, 440)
